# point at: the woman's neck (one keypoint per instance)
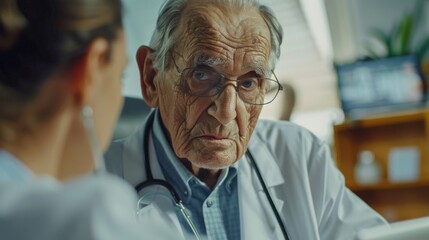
(76, 157)
(40, 149)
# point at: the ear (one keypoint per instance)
(87, 71)
(147, 76)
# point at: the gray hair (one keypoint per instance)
(165, 35)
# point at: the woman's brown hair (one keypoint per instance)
(41, 38)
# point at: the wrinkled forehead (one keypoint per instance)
(219, 35)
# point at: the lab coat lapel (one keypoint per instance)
(257, 218)
(133, 156)
(167, 209)
(158, 217)
(161, 213)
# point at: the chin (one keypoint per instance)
(213, 162)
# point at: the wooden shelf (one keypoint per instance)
(379, 134)
(385, 119)
(386, 185)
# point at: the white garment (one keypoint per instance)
(97, 207)
(308, 190)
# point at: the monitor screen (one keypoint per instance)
(372, 86)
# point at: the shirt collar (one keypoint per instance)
(13, 169)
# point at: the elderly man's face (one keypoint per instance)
(213, 132)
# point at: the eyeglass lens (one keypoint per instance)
(206, 82)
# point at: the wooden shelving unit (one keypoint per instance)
(379, 134)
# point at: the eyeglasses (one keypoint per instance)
(204, 81)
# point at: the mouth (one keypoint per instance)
(214, 137)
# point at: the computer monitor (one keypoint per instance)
(373, 86)
(414, 229)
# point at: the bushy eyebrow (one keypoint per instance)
(258, 66)
(212, 61)
(207, 60)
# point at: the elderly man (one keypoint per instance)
(207, 72)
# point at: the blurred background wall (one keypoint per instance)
(317, 33)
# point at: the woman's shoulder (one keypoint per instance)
(103, 195)
(89, 207)
(101, 188)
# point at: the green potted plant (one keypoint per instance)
(398, 41)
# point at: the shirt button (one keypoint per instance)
(186, 193)
(209, 203)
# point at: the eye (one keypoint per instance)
(200, 75)
(249, 84)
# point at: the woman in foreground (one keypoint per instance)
(60, 94)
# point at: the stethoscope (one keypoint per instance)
(151, 181)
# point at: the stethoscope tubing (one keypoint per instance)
(163, 183)
(178, 201)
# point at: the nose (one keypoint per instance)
(225, 104)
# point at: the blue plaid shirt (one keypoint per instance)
(214, 212)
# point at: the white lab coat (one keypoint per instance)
(91, 208)
(306, 187)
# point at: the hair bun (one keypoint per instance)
(12, 22)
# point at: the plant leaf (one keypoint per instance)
(394, 40)
(371, 52)
(383, 39)
(404, 34)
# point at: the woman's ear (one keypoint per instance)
(87, 71)
(147, 76)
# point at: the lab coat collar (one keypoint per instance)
(267, 164)
(257, 217)
(134, 156)
(13, 169)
